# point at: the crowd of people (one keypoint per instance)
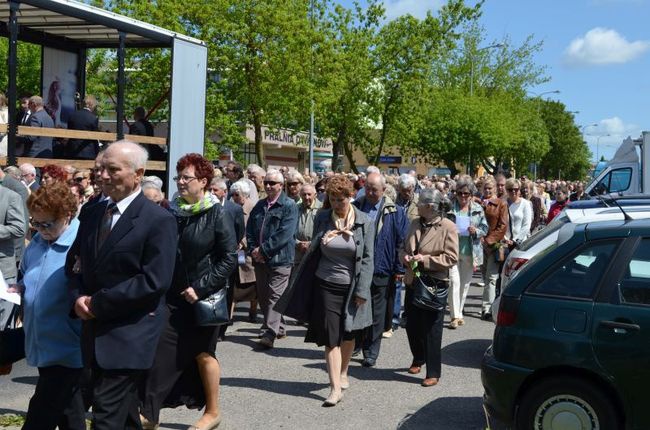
(35, 112)
(113, 264)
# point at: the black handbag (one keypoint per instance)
(429, 293)
(213, 310)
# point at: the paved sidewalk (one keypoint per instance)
(283, 388)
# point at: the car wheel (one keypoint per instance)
(566, 403)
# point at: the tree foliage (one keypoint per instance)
(434, 88)
(28, 80)
(569, 155)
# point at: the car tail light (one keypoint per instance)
(513, 265)
(508, 309)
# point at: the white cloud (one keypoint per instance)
(603, 46)
(417, 8)
(616, 127)
(611, 131)
(605, 138)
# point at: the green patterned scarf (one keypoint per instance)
(184, 209)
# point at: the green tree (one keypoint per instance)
(404, 58)
(28, 80)
(569, 155)
(345, 75)
(259, 50)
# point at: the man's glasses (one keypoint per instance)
(42, 225)
(184, 178)
(513, 190)
(79, 179)
(463, 193)
(271, 183)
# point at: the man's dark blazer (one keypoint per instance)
(85, 120)
(39, 146)
(236, 217)
(127, 279)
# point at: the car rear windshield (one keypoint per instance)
(554, 226)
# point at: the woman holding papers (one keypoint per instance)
(471, 226)
(51, 335)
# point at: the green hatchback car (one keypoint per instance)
(571, 348)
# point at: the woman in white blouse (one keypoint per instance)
(521, 214)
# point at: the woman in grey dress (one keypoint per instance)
(331, 289)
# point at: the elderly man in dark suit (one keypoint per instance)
(121, 265)
(85, 120)
(38, 146)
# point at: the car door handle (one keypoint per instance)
(620, 327)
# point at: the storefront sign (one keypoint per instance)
(287, 137)
(390, 159)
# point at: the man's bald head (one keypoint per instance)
(375, 187)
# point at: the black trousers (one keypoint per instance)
(372, 335)
(115, 398)
(424, 332)
(56, 401)
(390, 303)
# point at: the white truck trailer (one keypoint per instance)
(627, 172)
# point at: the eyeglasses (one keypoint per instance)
(235, 194)
(42, 225)
(291, 184)
(464, 194)
(511, 190)
(271, 183)
(184, 178)
(79, 179)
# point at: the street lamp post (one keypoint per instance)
(471, 92)
(598, 148)
(311, 113)
(584, 127)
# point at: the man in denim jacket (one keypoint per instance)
(270, 235)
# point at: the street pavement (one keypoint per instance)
(283, 388)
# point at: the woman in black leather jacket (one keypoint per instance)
(186, 371)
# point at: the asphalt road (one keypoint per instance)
(283, 388)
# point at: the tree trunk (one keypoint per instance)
(348, 153)
(385, 124)
(337, 148)
(259, 147)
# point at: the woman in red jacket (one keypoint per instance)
(561, 200)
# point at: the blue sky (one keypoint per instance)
(597, 54)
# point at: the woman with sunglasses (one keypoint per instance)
(52, 338)
(471, 226)
(186, 370)
(521, 214)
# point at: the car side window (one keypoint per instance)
(635, 286)
(578, 275)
